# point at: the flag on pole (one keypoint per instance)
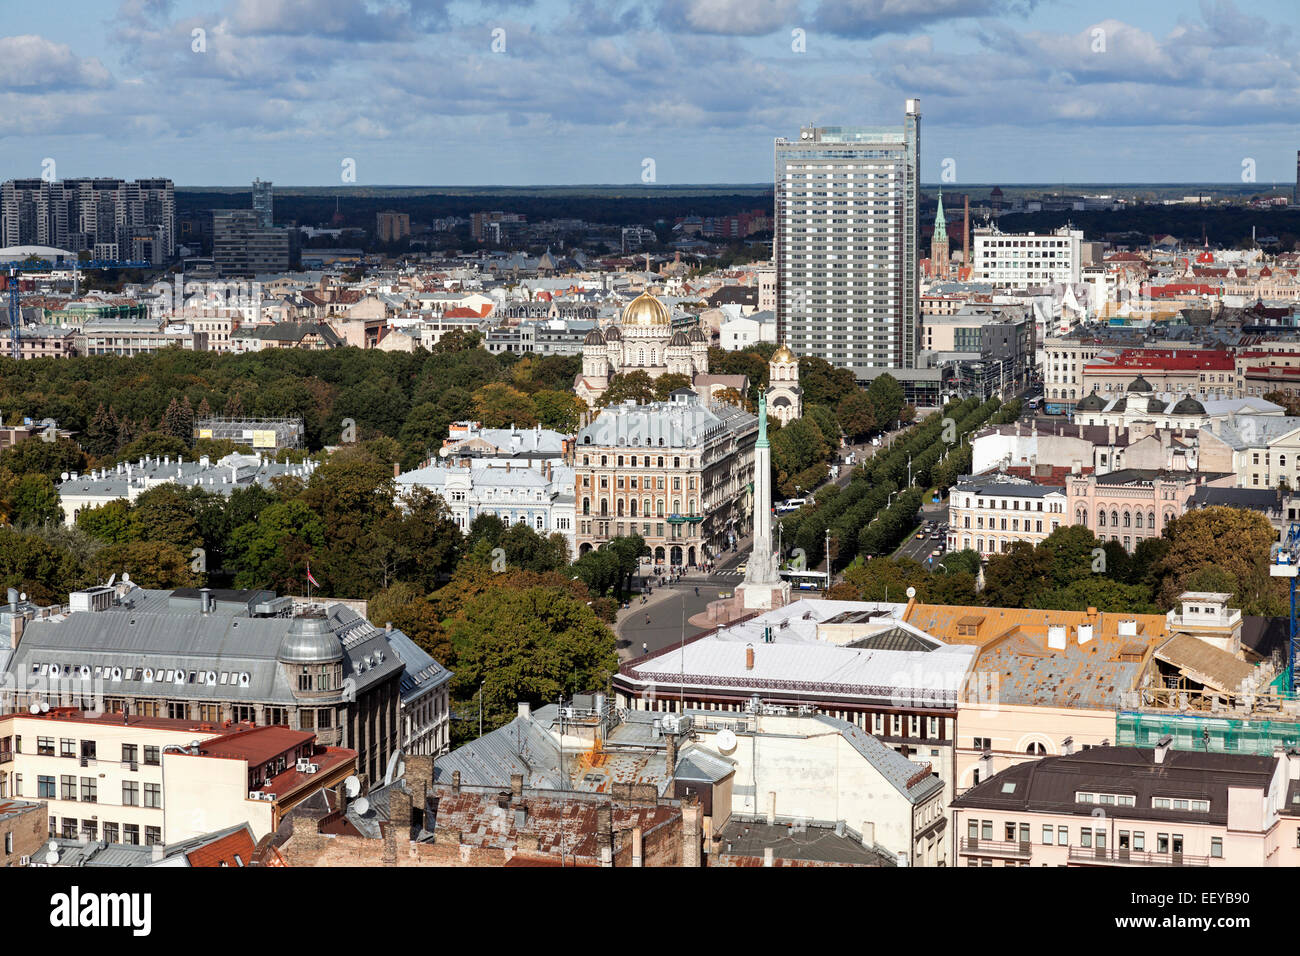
(309, 577)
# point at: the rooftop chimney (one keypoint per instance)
(525, 709)
(749, 657)
(516, 785)
(637, 847)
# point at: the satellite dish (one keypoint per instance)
(111, 578)
(63, 476)
(126, 578)
(51, 858)
(396, 769)
(726, 741)
(352, 786)
(911, 593)
(362, 806)
(35, 708)
(45, 707)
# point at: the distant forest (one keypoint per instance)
(1224, 227)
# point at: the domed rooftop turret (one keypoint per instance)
(679, 340)
(1090, 403)
(612, 334)
(783, 354)
(1189, 406)
(594, 338)
(695, 335)
(309, 640)
(645, 309)
(1156, 404)
(1140, 384)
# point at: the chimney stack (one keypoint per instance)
(769, 856)
(749, 657)
(455, 781)
(516, 785)
(605, 833)
(868, 834)
(637, 847)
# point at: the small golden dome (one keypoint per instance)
(645, 309)
(783, 354)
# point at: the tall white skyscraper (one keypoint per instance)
(846, 243)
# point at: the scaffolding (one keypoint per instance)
(270, 434)
(1221, 735)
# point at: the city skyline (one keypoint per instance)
(518, 93)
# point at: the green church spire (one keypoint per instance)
(940, 225)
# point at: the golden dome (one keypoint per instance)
(783, 354)
(645, 309)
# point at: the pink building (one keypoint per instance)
(1133, 504)
(1125, 806)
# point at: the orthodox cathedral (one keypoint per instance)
(642, 339)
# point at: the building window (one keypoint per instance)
(131, 833)
(130, 793)
(152, 836)
(45, 788)
(151, 756)
(68, 787)
(1216, 847)
(1047, 836)
(110, 833)
(89, 790)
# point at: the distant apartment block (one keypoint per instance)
(112, 218)
(392, 226)
(1021, 261)
(241, 246)
(263, 204)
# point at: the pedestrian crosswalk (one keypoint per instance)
(731, 573)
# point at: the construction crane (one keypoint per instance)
(1286, 564)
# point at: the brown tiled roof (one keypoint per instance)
(222, 852)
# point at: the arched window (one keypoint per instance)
(632, 507)
(1101, 519)
(1151, 520)
(604, 507)
(1081, 517)
(586, 506)
(1114, 519)
(640, 356)
(1128, 520)
(1137, 519)
(645, 507)
(1036, 749)
(619, 507)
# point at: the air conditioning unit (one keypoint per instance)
(313, 767)
(255, 795)
(243, 679)
(24, 861)
(302, 766)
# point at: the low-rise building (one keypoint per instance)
(991, 514)
(22, 831)
(1125, 806)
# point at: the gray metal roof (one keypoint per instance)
(890, 764)
(239, 654)
(422, 672)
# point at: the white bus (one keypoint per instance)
(805, 580)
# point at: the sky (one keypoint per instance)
(530, 92)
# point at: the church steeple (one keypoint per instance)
(939, 257)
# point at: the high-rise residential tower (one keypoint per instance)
(846, 243)
(263, 204)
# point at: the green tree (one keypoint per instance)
(274, 550)
(500, 406)
(110, 523)
(635, 386)
(532, 644)
(36, 500)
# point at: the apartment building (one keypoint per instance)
(211, 656)
(677, 473)
(1200, 372)
(1021, 261)
(1132, 505)
(1262, 451)
(1126, 807)
(113, 218)
(845, 244)
(99, 775)
(989, 515)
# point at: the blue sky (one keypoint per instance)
(584, 91)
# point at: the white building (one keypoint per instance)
(131, 479)
(744, 331)
(1019, 261)
(541, 497)
(990, 516)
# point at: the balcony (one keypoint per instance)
(1098, 856)
(970, 846)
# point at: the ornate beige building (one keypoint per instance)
(643, 339)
